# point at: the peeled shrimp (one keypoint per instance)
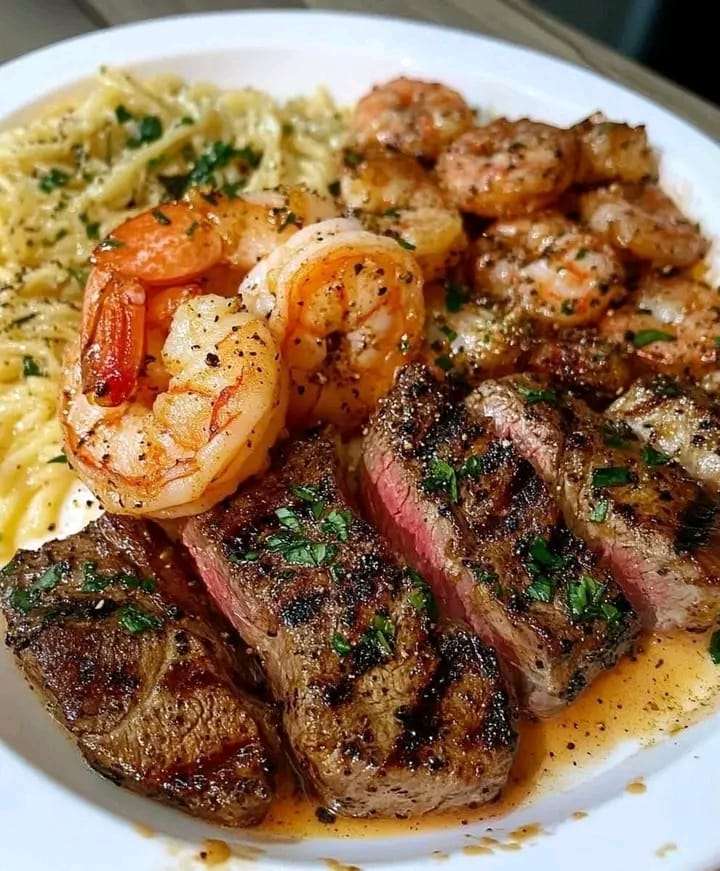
(549, 265)
(394, 195)
(174, 252)
(643, 222)
(346, 309)
(508, 167)
(611, 151)
(181, 450)
(671, 326)
(415, 117)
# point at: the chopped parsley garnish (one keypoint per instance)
(288, 518)
(442, 476)
(648, 337)
(337, 523)
(456, 295)
(444, 362)
(60, 458)
(149, 130)
(122, 114)
(334, 188)
(52, 180)
(340, 644)
(161, 217)
(109, 243)
(352, 158)
(404, 344)
(542, 564)
(30, 366)
(136, 621)
(403, 243)
(717, 341)
(391, 213)
(95, 581)
(542, 589)
(299, 550)
(92, 228)
(714, 647)
(567, 306)
(617, 434)
(534, 395)
(382, 634)
(290, 219)
(307, 494)
(472, 467)
(484, 576)
(651, 457)
(581, 254)
(25, 599)
(599, 512)
(611, 476)
(186, 121)
(665, 386)
(448, 332)
(249, 156)
(585, 601)
(421, 596)
(217, 156)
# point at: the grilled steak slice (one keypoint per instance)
(122, 646)
(471, 515)
(385, 714)
(678, 419)
(654, 525)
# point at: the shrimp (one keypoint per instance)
(554, 269)
(472, 336)
(415, 117)
(642, 222)
(179, 451)
(395, 196)
(508, 168)
(671, 326)
(611, 151)
(206, 245)
(346, 308)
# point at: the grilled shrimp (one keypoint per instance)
(611, 151)
(508, 168)
(394, 195)
(346, 308)
(671, 326)
(549, 265)
(179, 450)
(415, 117)
(644, 223)
(166, 255)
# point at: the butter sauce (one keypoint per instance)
(666, 685)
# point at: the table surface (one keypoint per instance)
(29, 24)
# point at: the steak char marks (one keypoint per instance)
(653, 524)
(386, 714)
(120, 643)
(471, 515)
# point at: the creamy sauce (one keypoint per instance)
(668, 684)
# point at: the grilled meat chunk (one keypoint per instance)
(594, 368)
(678, 419)
(385, 714)
(120, 643)
(471, 515)
(655, 526)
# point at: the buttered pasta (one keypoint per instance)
(74, 174)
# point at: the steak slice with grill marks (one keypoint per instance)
(121, 644)
(654, 525)
(386, 713)
(471, 515)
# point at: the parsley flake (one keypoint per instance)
(647, 337)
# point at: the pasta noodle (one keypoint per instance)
(70, 177)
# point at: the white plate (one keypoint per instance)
(56, 814)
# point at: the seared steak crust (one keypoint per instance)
(121, 645)
(655, 526)
(472, 515)
(385, 713)
(677, 418)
